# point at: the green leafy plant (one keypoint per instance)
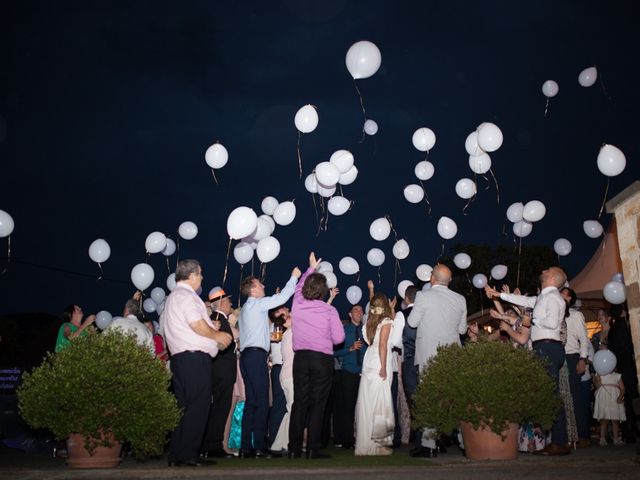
(102, 383)
(486, 384)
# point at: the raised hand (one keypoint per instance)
(313, 262)
(491, 292)
(296, 272)
(506, 289)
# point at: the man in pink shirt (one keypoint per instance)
(192, 341)
(316, 328)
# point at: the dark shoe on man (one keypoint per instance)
(292, 455)
(553, 449)
(188, 463)
(275, 454)
(424, 452)
(247, 454)
(315, 454)
(220, 453)
(262, 454)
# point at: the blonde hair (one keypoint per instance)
(379, 309)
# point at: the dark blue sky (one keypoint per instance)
(106, 109)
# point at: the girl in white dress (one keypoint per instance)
(609, 405)
(374, 408)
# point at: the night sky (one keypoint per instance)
(107, 108)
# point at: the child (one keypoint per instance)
(609, 405)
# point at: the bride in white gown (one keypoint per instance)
(374, 408)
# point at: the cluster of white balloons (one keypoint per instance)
(340, 169)
(524, 215)
(6, 224)
(379, 230)
(486, 138)
(155, 303)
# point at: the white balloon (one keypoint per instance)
(363, 59)
(370, 127)
(159, 310)
(514, 212)
(6, 224)
(592, 228)
(243, 253)
(402, 287)
(155, 242)
(306, 119)
(285, 213)
(269, 205)
(338, 205)
(413, 193)
(342, 160)
(99, 250)
(471, 145)
(349, 266)
(158, 295)
(375, 257)
(604, 362)
(424, 170)
(466, 188)
(499, 272)
(423, 272)
(332, 280)
(562, 247)
(149, 305)
(311, 184)
(614, 293)
(447, 228)
(550, 88)
(354, 294)
(380, 229)
(171, 282)
(617, 277)
(534, 211)
(588, 76)
(489, 137)
(349, 177)
(462, 261)
(170, 248)
(188, 230)
(269, 220)
(423, 139)
(268, 249)
(327, 174)
(522, 229)
(216, 156)
(241, 223)
(480, 164)
(326, 192)
(401, 249)
(479, 280)
(103, 319)
(325, 267)
(142, 276)
(611, 161)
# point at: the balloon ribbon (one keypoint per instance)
(426, 197)
(213, 172)
(226, 263)
(8, 255)
(604, 200)
(101, 272)
(240, 285)
(364, 112)
(519, 258)
(497, 188)
(546, 107)
(299, 155)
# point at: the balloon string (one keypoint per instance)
(395, 273)
(315, 208)
(604, 200)
(481, 304)
(469, 280)
(213, 172)
(364, 112)
(546, 107)
(488, 182)
(519, 258)
(101, 272)
(426, 197)
(395, 234)
(177, 250)
(263, 271)
(379, 275)
(240, 285)
(340, 187)
(226, 263)
(357, 276)
(504, 228)
(497, 188)
(252, 270)
(604, 90)
(469, 202)
(8, 255)
(168, 268)
(299, 155)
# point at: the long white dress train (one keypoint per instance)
(374, 408)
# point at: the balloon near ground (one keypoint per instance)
(6, 224)
(349, 266)
(188, 230)
(462, 261)
(325, 267)
(306, 119)
(604, 362)
(375, 257)
(149, 305)
(363, 59)
(171, 282)
(611, 161)
(99, 251)
(216, 156)
(332, 280)
(142, 276)
(354, 294)
(614, 292)
(241, 223)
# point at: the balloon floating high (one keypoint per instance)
(380, 229)
(142, 276)
(6, 224)
(401, 249)
(592, 228)
(447, 228)
(588, 76)
(611, 161)
(155, 242)
(562, 247)
(99, 251)
(241, 223)
(498, 272)
(269, 205)
(462, 261)
(349, 266)
(188, 230)
(363, 59)
(375, 257)
(354, 294)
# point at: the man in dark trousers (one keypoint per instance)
(409, 370)
(223, 376)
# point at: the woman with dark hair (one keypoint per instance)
(374, 409)
(316, 328)
(73, 326)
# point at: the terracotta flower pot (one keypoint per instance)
(102, 457)
(484, 444)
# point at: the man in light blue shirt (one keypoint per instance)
(254, 349)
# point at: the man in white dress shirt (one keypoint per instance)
(546, 322)
(129, 323)
(440, 317)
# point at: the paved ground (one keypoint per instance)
(585, 464)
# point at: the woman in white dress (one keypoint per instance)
(374, 408)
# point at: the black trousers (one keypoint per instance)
(192, 388)
(344, 411)
(218, 413)
(278, 402)
(255, 373)
(312, 377)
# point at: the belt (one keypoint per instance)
(254, 348)
(547, 340)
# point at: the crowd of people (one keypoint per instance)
(265, 381)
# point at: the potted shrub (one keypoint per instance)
(105, 388)
(487, 389)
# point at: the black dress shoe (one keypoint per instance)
(275, 454)
(293, 454)
(217, 454)
(441, 449)
(247, 454)
(186, 463)
(315, 454)
(424, 452)
(262, 454)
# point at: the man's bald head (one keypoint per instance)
(553, 277)
(441, 275)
